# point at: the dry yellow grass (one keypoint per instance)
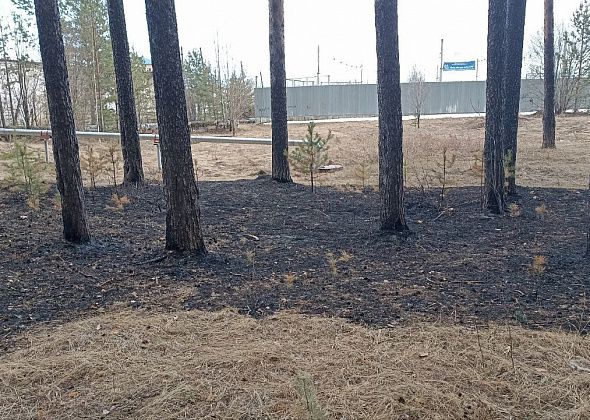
(355, 147)
(141, 365)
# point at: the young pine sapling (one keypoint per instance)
(93, 164)
(113, 159)
(311, 154)
(442, 172)
(364, 170)
(25, 169)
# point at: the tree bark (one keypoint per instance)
(494, 199)
(278, 89)
(65, 144)
(130, 144)
(513, 49)
(391, 159)
(183, 229)
(549, 106)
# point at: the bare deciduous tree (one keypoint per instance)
(418, 93)
(240, 101)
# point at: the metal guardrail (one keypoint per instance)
(45, 135)
(117, 136)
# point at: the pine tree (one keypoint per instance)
(391, 159)
(549, 60)
(513, 50)
(132, 162)
(183, 229)
(494, 199)
(65, 144)
(309, 156)
(278, 88)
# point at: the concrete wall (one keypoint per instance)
(334, 101)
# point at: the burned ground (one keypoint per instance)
(274, 247)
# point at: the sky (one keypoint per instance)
(344, 30)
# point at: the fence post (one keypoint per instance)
(159, 156)
(45, 137)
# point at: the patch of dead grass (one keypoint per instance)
(356, 142)
(131, 365)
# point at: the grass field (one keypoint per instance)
(109, 332)
(201, 365)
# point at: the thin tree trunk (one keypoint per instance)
(183, 229)
(514, 42)
(580, 75)
(22, 80)
(132, 161)
(8, 86)
(2, 118)
(588, 222)
(65, 144)
(494, 200)
(278, 89)
(391, 158)
(98, 90)
(549, 111)
(9, 89)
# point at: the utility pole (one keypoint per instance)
(318, 81)
(442, 62)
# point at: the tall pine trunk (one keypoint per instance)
(513, 49)
(278, 89)
(391, 158)
(130, 145)
(65, 144)
(183, 229)
(549, 60)
(494, 200)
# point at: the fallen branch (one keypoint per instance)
(154, 260)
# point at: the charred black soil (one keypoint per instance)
(274, 247)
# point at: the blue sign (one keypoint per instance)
(459, 66)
